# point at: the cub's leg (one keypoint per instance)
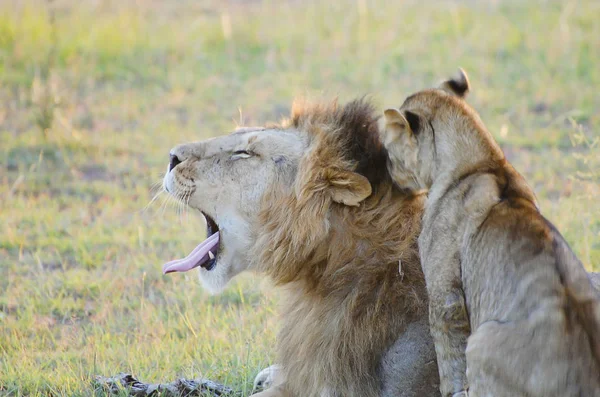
(535, 357)
(488, 347)
(449, 323)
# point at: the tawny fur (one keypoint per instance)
(352, 274)
(497, 272)
(310, 202)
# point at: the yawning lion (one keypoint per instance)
(310, 203)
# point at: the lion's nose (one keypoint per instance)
(174, 161)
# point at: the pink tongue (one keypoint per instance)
(198, 257)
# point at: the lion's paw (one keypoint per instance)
(461, 394)
(265, 378)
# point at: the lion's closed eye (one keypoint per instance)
(241, 154)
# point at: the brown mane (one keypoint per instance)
(352, 273)
(354, 126)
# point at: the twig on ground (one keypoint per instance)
(180, 387)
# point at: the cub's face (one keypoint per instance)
(410, 132)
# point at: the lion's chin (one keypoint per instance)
(216, 280)
(229, 265)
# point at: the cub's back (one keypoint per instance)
(518, 265)
(509, 266)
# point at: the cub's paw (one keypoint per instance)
(265, 378)
(461, 394)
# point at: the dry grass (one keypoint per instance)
(121, 82)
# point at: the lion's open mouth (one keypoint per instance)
(204, 255)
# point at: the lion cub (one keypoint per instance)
(512, 311)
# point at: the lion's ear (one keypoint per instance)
(348, 188)
(396, 122)
(458, 86)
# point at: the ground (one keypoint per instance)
(94, 94)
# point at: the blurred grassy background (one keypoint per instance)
(94, 93)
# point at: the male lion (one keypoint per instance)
(311, 204)
(496, 269)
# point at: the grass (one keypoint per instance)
(93, 101)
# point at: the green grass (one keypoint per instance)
(93, 102)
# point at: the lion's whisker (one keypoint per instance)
(186, 207)
(156, 186)
(168, 200)
(180, 207)
(156, 196)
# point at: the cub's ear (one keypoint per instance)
(398, 122)
(346, 187)
(393, 116)
(458, 86)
